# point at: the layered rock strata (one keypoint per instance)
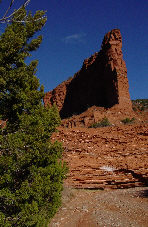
(111, 157)
(102, 81)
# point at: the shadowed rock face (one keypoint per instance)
(102, 81)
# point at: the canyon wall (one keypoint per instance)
(102, 81)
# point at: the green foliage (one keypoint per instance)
(140, 104)
(18, 83)
(128, 120)
(103, 123)
(31, 170)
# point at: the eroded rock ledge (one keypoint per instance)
(111, 157)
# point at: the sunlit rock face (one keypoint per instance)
(102, 81)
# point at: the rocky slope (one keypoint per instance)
(110, 157)
(107, 158)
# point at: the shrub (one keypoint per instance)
(128, 120)
(103, 123)
(140, 104)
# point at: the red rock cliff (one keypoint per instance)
(102, 81)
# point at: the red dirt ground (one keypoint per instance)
(88, 208)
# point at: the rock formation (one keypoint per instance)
(109, 157)
(102, 81)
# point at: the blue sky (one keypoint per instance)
(75, 30)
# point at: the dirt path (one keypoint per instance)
(93, 208)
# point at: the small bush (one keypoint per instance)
(103, 123)
(134, 108)
(128, 120)
(140, 104)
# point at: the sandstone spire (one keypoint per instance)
(102, 81)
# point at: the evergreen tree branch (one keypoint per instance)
(11, 3)
(10, 18)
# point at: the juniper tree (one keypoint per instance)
(31, 173)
